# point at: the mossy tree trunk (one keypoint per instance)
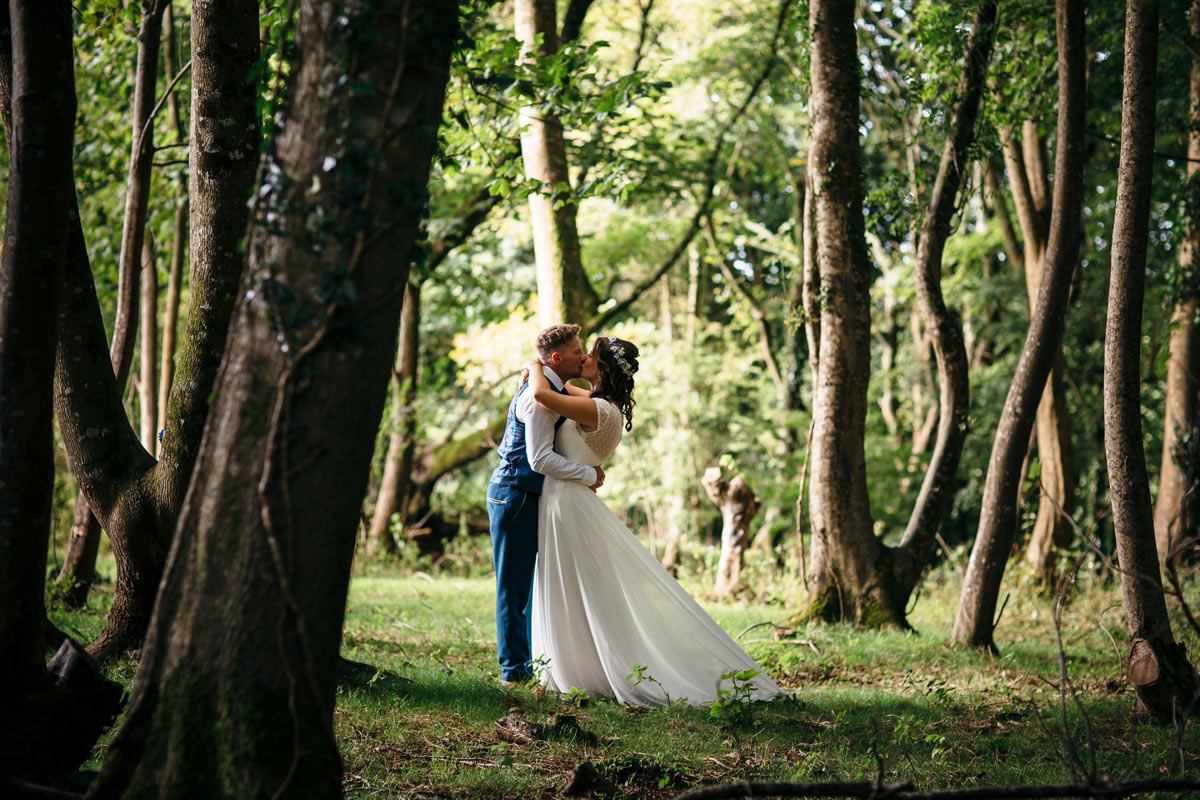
(1158, 667)
(1177, 508)
(244, 706)
(975, 620)
(136, 498)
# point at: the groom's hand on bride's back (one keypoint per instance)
(599, 479)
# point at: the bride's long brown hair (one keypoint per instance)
(616, 362)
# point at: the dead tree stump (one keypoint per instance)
(738, 505)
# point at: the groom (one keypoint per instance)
(526, 457)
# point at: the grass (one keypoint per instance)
(419, 721)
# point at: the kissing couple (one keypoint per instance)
(602, 615)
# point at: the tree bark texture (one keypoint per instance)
(166, 371)
(39, 104)
(148, 357)
(1025, 161)
(269, 524)
(1158, 667)
(797, 338)
(136, 499)
(945, 331)
(563, 287)
(846, 582)
(810, 290)
(137, 185)
(79, 562)
(402, 443)
(74, 580)
(1177, 508)
(179, 238)
(974, 623)
(739, 505)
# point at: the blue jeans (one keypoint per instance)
(513, 518)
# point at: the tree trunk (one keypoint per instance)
(147, 360)
(1056, 498)
(1158, 666)
(975, 622)
(166, 373)
(738, 505)
(888, 336)
(845, 551)
(137, 184)
(797, 340)
(681, 469)
(246, 709)
(39, 112)
(1056, 494)
(137, 500)
(563, 287)
(1177, 508)
(79, 563)
(179, 239)
(810, 289)
(74, 580)
(402, 444)
(945, 332)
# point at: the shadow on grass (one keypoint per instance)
(429, 689)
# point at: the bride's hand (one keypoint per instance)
(531, 364)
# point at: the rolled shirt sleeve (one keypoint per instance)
(539, 444)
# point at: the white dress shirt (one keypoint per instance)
(539, 438)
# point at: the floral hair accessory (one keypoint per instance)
(614, 347)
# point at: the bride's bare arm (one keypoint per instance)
(579, 407)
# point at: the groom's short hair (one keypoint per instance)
(553, 338)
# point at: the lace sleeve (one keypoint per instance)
(604, 440)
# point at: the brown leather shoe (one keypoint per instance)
(507, 684)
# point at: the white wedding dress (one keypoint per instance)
(602, 603)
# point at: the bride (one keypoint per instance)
(607, 618)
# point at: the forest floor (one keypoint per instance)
(419, 703)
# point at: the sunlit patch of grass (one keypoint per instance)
(938, 715)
